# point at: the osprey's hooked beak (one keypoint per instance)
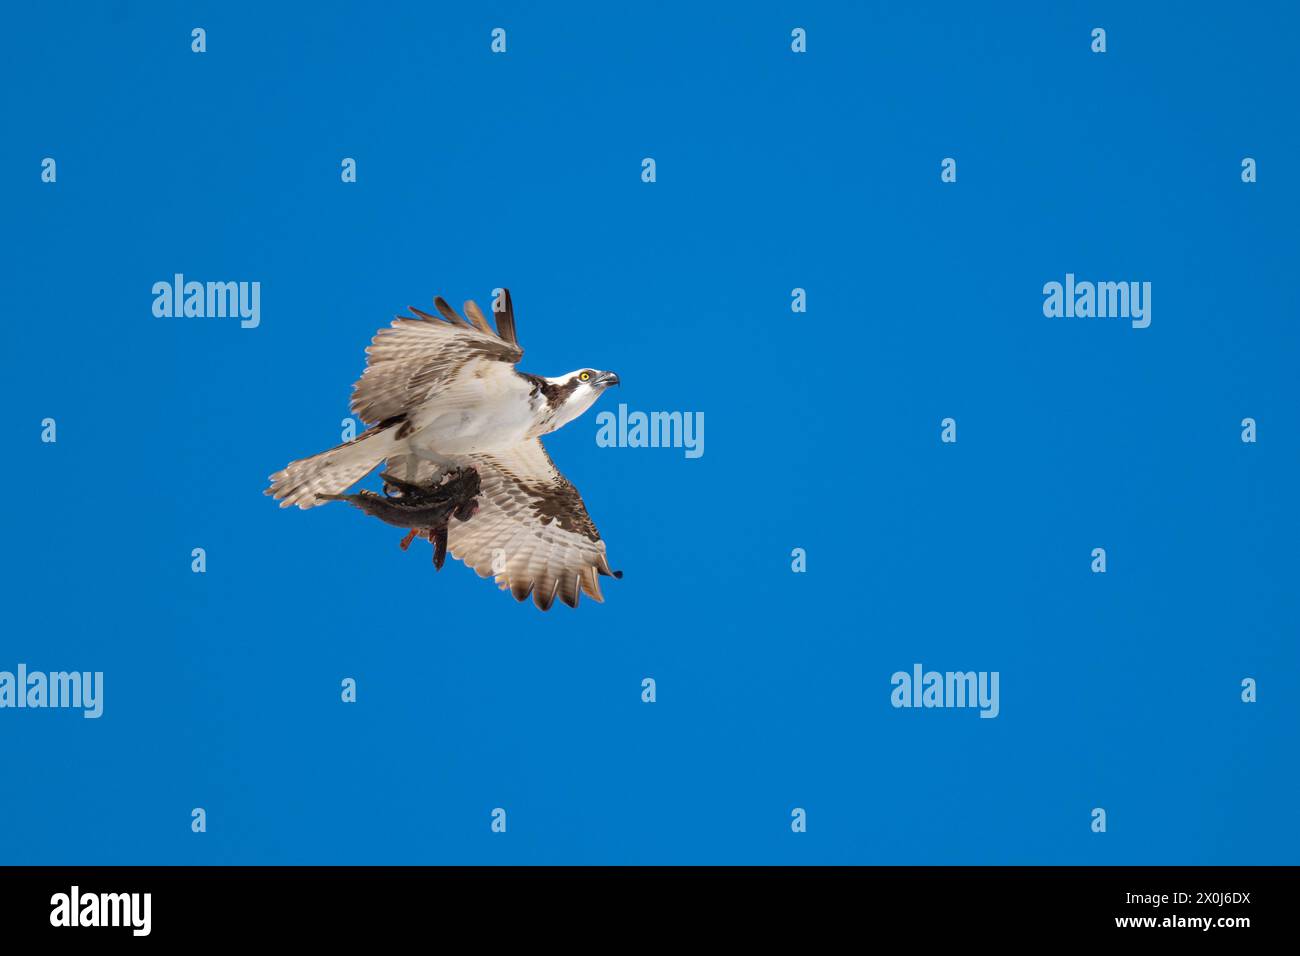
(606, 379)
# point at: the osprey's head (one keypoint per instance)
(574, 392)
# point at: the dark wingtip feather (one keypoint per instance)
(448, 313)
(475, 315)
(569, 589)
(506, 319)
(544, 599)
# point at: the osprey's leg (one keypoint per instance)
(438, 537)
(428, 454)
(406, 542)
(441, 463)
(407, 489)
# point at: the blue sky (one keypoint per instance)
(774, 171)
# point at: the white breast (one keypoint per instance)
(487, 408)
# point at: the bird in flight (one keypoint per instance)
(441, 396)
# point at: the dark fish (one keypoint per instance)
(424, 509)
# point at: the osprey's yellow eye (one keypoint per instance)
(584, 376)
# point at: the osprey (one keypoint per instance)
(442, 395)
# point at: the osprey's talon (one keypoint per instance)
(408, 489)
(406, 542)
(438, 536)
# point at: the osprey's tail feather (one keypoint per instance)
(336, 470)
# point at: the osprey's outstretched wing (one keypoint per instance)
(532, 532)
(414, 359)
